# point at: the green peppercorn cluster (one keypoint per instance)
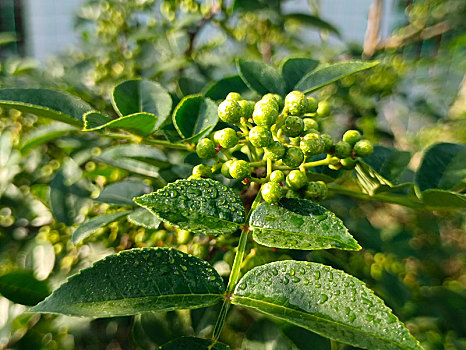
(276, 142)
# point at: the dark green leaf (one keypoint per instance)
(293, 69)
(299, 224)
(443, 199)
(199, 205)
(92, 225)
(22, 287)
(46, 103)
(190, 86)
(324, 300)
(329, 74)
(44, 134)
(137, 281)
(7, 38)
(443, 167)
(123, 192)
(135, 96)
(192, 343)
(312, 21)
(388, 162)
(266, 335)
(194, 117)
(220, 89)
(261, 77)
(140, 159)
(139, 123)
(144, 218)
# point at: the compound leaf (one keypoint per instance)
(92, 225)
(46, 103)
(22, 287)
(199, 205)
(329, 74)
(137, 281)
(326, 301)
(299, 224)
(261, 77)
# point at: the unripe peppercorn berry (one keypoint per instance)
(351, 136)
(247, 107)
(277, 176)
(342, 149)
(271, 192)
(271, 98)
(227, 138)
(316, 190)
(265, 113)
(260, 136)
(226, 168)
(233, 96)
(274, 151)
(293, 157)
(205, 149)
(240, 170)
(295, 103)
(310, 124)
(323, 109)
(311, 105)
(229, 111)
(296, 180)
(202, 170)
(293, 126)
(363, 148)
(328, 142)
(312, 144)
(348, 163)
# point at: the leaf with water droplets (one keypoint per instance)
(137, 281)
(299, 224)
(193, 343)
(324, 300)
(199, 205)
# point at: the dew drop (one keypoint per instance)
(323, 298)
(330, 276)
(212, 278)
(242, 286)
(295, 279)
(285, 280)
(274, 271)
(316, 275)
(292, 272)
(351, 317)
(184, 268)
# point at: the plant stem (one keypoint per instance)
(316, 163)
(155, 142)
(334, 345)
(235, 272)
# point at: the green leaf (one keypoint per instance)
(190, 86)
(266, 335)
(45, 133)
(313, 21)
(144, 218)
(261, 77)
(7, 38)
(194, 117)
(326, 301)
(299, 224)
(92, 225)
(220, 89)
(443, 199)
(22, 287)
(370, 181)
(139, 159)
(199, 205)
(46, 103)
(135, 96)
(293, 69)
(137, 281)
(123, 192)
(329, 74)
(443, 167)
(139, 123)
(193, 343)
(388, 162)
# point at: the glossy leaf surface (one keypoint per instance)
(123, 192)
(46, 103)
(195, 116)
(144, 218)
(138, 123)
(220, 89)
(388, 162)
(199, 205)
(329, 74)
(324, 300)
(293, 69)
(443, 167)
(193, 343)
(299, 224)
(89, 227)
(443, 199)
(22, 287)
(137, 281)
(135, 96)
(261, 77)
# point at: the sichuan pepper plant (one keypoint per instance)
(272, 147)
